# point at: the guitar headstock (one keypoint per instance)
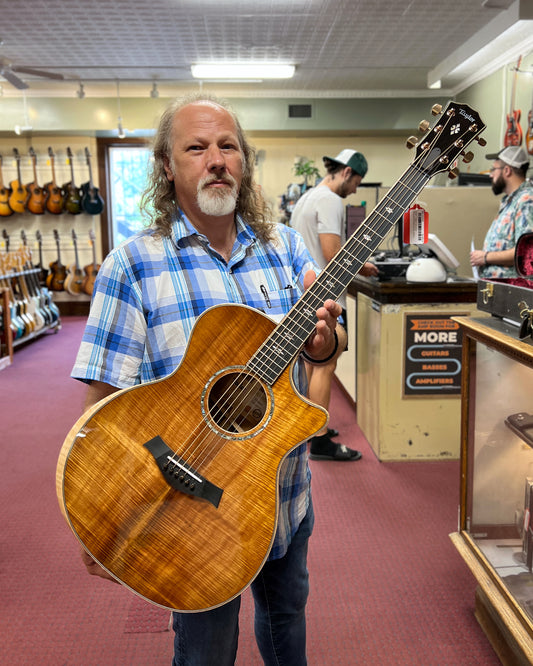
(91, 235)
(39, 236)
(74, 237)
(87, 154)
(16, 154)
(446, 141)
(51, 153)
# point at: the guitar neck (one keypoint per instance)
(287, 339)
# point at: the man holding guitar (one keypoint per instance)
(515, 216)
(211, 242)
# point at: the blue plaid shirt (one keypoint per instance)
(150, 291)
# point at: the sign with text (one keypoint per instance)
(433, 349)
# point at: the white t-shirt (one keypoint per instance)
(319, 211)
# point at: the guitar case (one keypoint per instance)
(511, 298)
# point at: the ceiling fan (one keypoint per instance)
(8, 72)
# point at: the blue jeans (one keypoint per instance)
(280, 593)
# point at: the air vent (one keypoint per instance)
(300, 110)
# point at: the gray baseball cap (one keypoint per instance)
(514, 156)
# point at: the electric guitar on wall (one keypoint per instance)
(513, 134)
(529, 134)
(172, 485)
(37, 195)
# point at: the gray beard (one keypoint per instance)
(215, 202)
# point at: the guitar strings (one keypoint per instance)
(204, 440)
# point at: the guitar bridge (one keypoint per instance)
(181, 476)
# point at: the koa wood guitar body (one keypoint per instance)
(172, 485)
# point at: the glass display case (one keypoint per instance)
(495, 534)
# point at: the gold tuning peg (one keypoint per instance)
(481, 141)
(411, 142)
(423, 126)
(453, 173)
(467, 157)
(436, 109)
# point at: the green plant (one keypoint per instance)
(306, 169)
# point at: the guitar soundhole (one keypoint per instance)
(237, 403)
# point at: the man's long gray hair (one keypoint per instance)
(159, 200)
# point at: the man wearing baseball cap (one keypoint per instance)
(319, 217)
(515, 216)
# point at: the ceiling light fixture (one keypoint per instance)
(240, 71)
(154, 93)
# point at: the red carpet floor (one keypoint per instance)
(388, 587)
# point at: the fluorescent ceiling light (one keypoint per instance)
(231, 70)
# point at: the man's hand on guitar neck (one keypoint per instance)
(322, 342)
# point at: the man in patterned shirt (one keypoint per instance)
(515, 217)
(210, 242)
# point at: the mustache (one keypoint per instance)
(227, 178)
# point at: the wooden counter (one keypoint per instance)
(408, 381)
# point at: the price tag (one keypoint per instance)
(415, 226)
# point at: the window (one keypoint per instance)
(128, 166)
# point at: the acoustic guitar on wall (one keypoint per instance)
(172, 485)
(19, 193)
(5, 208)
(71, 190)
(92, 202)
(55, 197)
(37, 195)
(91, 270)
(58, 272)
(513, 133)
(74, 279)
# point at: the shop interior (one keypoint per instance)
(80, 97)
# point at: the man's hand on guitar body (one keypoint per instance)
(94, 568)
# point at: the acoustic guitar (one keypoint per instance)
(36, 203)
(55, 195)
(74, 280)
(43, 271)
(513, 133)
(71, 190)
(19, 193)
(5, 208)
(91, 200)
(172, 485)
(91, 270)
(58, 272)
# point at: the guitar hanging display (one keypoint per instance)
(513, 133)
(5, 192)
(58, 272)
(92, 202)
(91, 270)
(72, 192)
(74, 280)
(55, 196)
(529, 134)
(37, 195)
(172, 485)
(19, 193)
